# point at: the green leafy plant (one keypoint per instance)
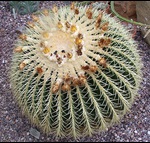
(130, 21)
(24, 7)
(75, 70)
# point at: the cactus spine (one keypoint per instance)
(75, 71)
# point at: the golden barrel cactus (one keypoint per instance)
(75, 70)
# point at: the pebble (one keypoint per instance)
(42, 138)
(140, 138)
(35, 133)
(135, 131)
(3, 61)
(30, 139)
(135, 117)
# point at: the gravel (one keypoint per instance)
(14, 127)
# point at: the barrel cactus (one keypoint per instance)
(75, 70)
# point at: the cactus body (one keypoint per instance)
(75, 71)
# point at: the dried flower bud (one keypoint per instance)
(22, 65)
(35, 18)
(97, 25)
(93, 69)
(18, 49)
(78, 41)
(55, 8)
(65, 87)
(104, 27)
(55, 88)
(82, 79)
(42, 44)
(68, 25)
(45, 12)
(23, 37)
(59, 60)
(46, 50)
(76, 82)
(45, 35)
(59, 25)
(85, 67)
(102, 62)
(79, 52)
(73, 28)
(80, 36)
(89, 13)
(67, 78)
(80, 46)
(72, 6)
(39, 70)
(76, 11)
(101, 43)
(98, 20)
(99, 17)
(104, 42)
(30, 24)
(69, 55)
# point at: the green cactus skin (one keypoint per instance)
(24, 7)
(75, 71)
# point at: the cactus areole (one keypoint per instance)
(75, 70)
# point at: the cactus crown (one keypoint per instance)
(75, 70)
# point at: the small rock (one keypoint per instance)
(130, 25)
(35, 133)
(30, 139)
(140, 138)
(22, 139)
(135, 131)
(148, 132)
(3, 61)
